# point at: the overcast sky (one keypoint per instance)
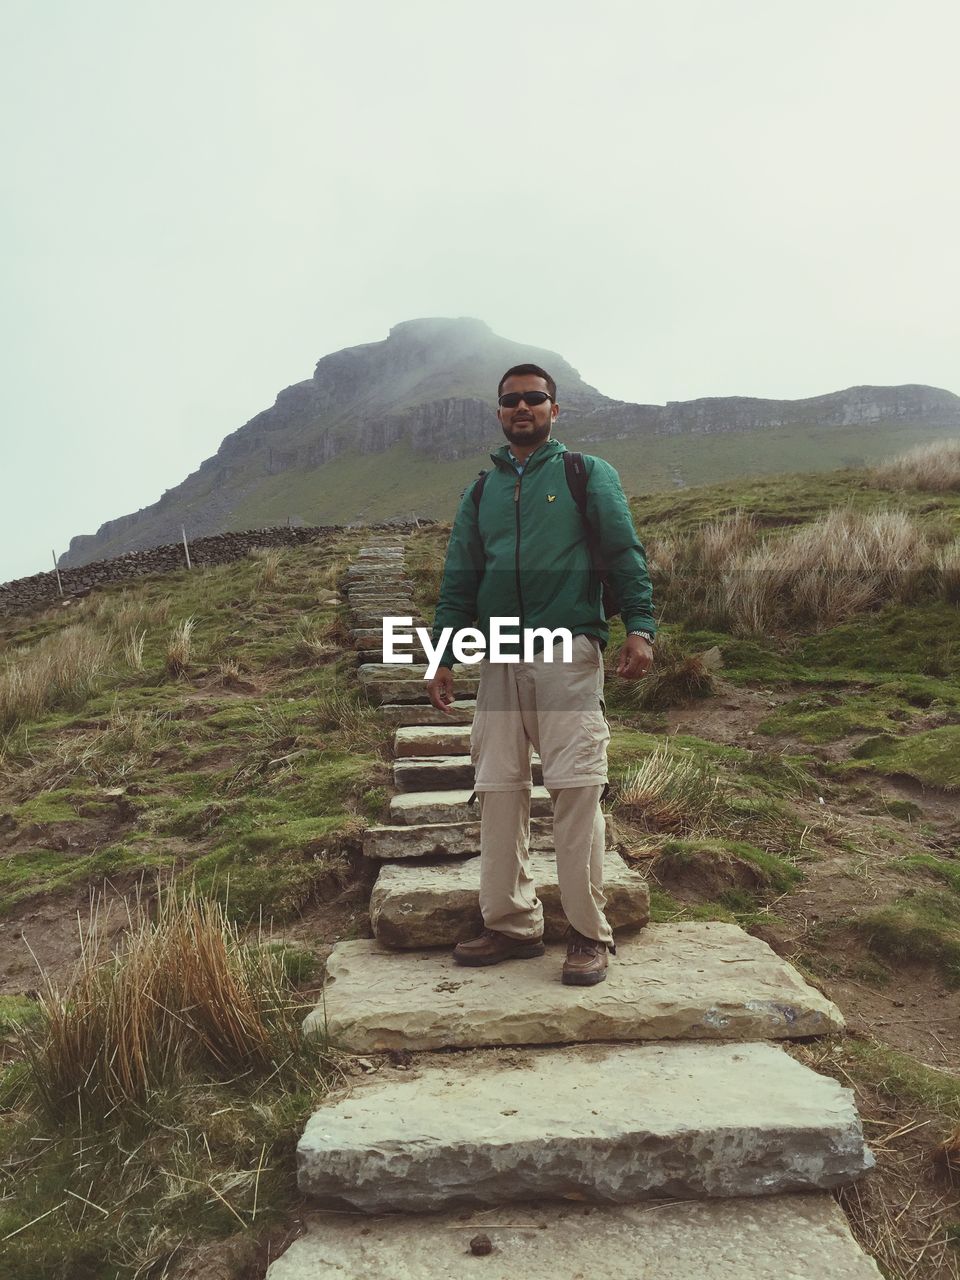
(199, 199)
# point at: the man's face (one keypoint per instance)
(527, 425)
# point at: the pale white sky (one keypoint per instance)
(199, 199)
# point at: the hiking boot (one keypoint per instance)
(586, 962)
(492, 947)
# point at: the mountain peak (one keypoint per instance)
(434, 327)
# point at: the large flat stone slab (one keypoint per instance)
(405, 681)
(602, 1124)
(669, 982)
(436, 906)
(447, 839)
(432, 740)
(795, 1237)
(441, 840)
(419, 807)
(374, 655)
(443, 771)
(402, 713)
(377, 578)
(396, 604)
(363, 620)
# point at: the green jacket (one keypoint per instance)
(524, 554)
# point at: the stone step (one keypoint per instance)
(702, 981)
(432, 740)
(438, 772)
(436, 906)
(405, 682)
(375, 655)
(396, 603)
(369, 636)
(373, 565)
(600, 1124)
(363, 620)
(418, 807)
(394, 582)
(441, 840)
(791, 1237)
(448, 839)
(366, 574)
(399, 714)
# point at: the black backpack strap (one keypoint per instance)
(576, 470)
(477, 491)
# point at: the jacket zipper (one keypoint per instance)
(516, 508)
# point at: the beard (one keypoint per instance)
(528, 433)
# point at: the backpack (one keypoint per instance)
(576, 474)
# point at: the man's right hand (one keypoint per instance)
(440, 690)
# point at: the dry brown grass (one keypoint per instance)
(312, 642)
(846, 562)
(180, 993)
(672, 792)
(63, 669)
(179, 647)
(270, 559)
(948, 567)
(934, 468)
(133, 645)
(820, 573)
(677, 677)
(352, 718)
(104, 756)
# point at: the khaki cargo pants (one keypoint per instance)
(556, 709)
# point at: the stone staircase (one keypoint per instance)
(649, 1127)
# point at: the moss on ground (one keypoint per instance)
(34, 871)
(739, 865)
(919, 639)
(924, 928)
(49, 806)
(666, 909)
(946, 870)
(827, 717)
(931, 758)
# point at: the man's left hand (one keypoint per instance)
(636, 658)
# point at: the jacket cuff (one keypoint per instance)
(639, 622)
(447, 659)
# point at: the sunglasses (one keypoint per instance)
(530, 398)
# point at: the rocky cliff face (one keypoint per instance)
(431, 385)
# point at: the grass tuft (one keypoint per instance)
(934, 468)
(177, 656)
(61, 670)
(180, 993)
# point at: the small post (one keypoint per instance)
(186, 549)
(56, 570)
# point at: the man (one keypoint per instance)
(521, 549)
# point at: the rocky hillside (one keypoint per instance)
(351, 442)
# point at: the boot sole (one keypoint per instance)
(480, 962)
(583, 979)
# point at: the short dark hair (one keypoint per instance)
(535, 371)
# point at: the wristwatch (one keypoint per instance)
(647, 635)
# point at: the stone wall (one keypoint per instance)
(40, 589)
